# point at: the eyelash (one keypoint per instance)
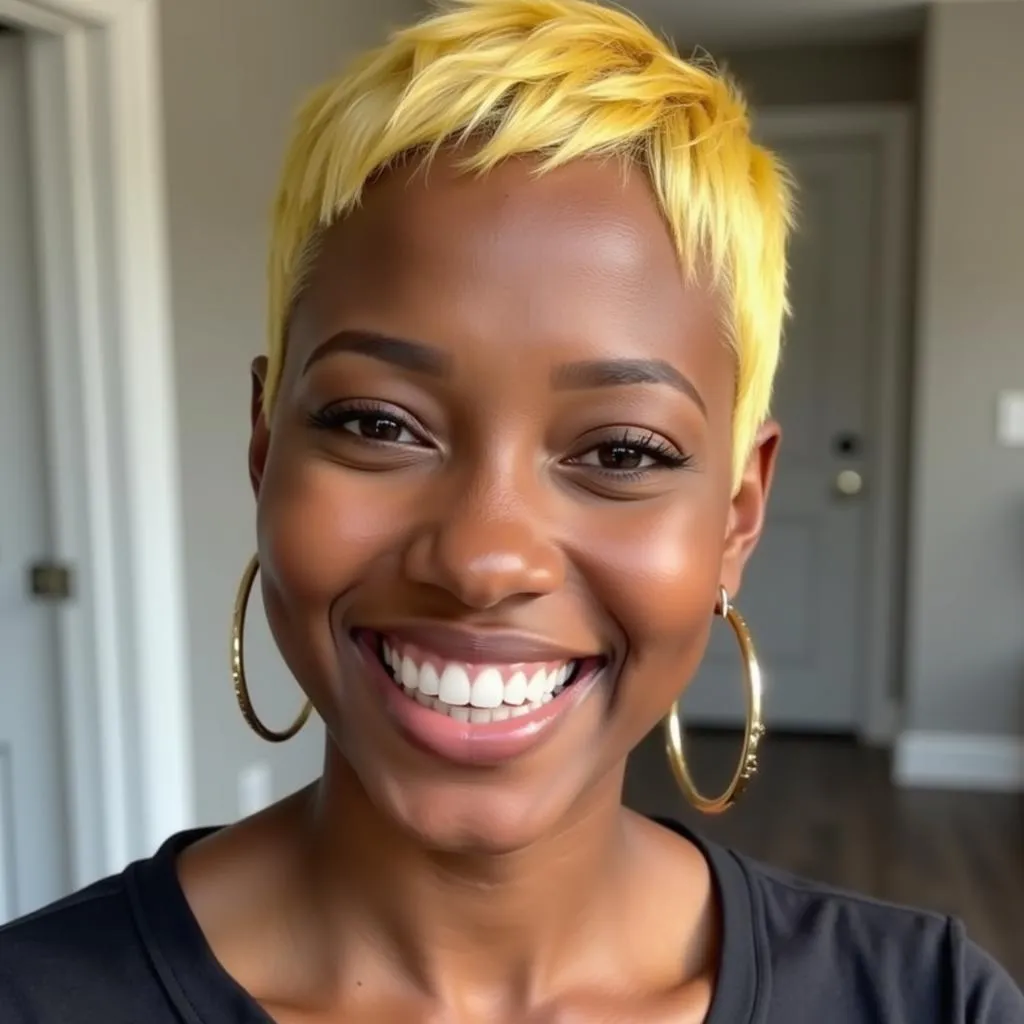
(646, 443)
(334, 417)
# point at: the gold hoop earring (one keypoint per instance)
(753, 732)
(238, 665)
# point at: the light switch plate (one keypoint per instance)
(1010, 429)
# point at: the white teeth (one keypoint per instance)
(430, 682)
(537, 687)
(488, 690)
(454, 687)
(477, 716)
(477, 694)
(409, 674)
(515, 689)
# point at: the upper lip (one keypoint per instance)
(457, 643)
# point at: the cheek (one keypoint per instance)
(319, 529)
(319, 525)
(659, 580)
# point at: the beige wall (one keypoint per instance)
(233, 72)
(966, 613)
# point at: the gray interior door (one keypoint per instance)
(33, 848)
(805, 592)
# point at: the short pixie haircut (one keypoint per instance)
(559, 80)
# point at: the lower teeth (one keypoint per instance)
(478, 716)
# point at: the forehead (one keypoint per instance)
(578, 253)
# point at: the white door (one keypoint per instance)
(33, 848)
(806, 590)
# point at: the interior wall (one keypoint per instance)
(233, 72)
(821, 75)
(965, 666)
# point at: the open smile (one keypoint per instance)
(474, 692)
(474, 703)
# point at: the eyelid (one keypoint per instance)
(644, 439)
(332, 415)
(351, 407)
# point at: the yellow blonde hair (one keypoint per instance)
(561, 79)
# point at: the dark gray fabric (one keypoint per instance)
(129, 951)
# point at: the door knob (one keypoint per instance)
(849, 483)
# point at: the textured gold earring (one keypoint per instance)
(238, 665)
(753, 733)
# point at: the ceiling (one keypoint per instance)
(749, 24)
(755, 23)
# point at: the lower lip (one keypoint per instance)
(469, 743)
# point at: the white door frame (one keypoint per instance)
(113, 473)
(889, 127)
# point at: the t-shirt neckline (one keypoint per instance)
(203, 992)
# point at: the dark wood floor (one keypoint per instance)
(825, 809)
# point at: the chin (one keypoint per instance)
(481, 811)
(479, 816)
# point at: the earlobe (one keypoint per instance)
(749, 502)
(259, 440)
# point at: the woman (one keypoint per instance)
(510, 452)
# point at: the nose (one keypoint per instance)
(484, 552)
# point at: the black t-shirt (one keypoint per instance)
(129, 951)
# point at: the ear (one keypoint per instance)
(749, 502)
(259, 440)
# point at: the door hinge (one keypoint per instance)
(51, 581)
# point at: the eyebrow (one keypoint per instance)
(622, 372)
(433, 362)
(408, 355)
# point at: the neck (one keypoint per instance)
(460, 921)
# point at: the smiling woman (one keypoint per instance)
(511, 452)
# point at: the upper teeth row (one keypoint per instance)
(488, 689)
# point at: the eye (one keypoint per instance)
(378, 427)
(368, 422)
(632, 452)
(617, 457)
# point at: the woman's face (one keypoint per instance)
(499, 470)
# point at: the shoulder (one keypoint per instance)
(93, 956)
(869, 960)
(77, 944)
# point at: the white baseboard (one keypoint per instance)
(947, 760)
